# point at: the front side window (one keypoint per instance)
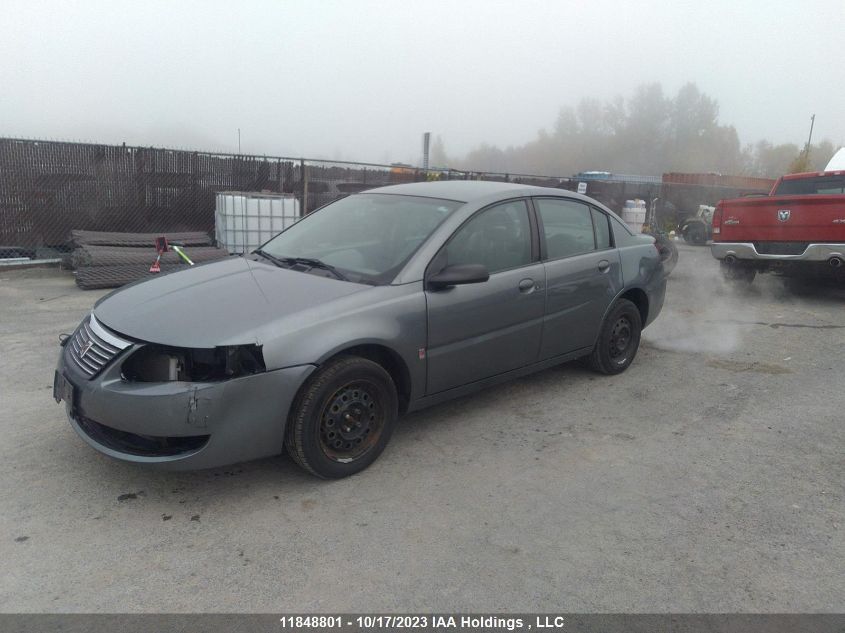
(567, 227)
(498, 238)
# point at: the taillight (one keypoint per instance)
(717, 220)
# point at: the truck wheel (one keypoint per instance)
(619, 339)
(668, 253)
(737, 273)
(697, 235)
(342, 418)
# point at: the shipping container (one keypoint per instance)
(719, 180)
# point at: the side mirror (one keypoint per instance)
(458, 274)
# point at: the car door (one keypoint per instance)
(479, 330)
(583, 273)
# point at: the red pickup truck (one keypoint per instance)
(798, 228)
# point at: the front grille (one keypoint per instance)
(781, 248)
(92, 347)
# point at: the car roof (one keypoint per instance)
(463, 190)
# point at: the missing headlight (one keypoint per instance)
(155, 363)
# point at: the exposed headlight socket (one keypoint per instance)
(154, 363)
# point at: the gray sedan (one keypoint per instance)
(378, 304)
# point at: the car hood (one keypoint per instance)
(222, 303)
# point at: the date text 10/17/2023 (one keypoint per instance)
(423, 621)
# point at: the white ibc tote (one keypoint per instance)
(633, 213)
(243, 221)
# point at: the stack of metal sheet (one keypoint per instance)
(110, 260)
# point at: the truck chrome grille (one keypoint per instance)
(92, 347)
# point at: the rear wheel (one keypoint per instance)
(343, 418)
(697, 235)
(619, 339)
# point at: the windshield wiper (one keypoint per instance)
(315, 263)
(289, 262)
(279, 261)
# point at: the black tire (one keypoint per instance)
(668, 254)
(697, 235)
(619, 339)
(667, 250)
(738, 274)
(342, 418)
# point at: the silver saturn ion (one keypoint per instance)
(381, 303)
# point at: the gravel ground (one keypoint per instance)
(707, 478)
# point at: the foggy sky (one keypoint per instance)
(363, 80)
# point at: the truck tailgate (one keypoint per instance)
(810, 219)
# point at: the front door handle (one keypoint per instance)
(604, 266)
(526, 285)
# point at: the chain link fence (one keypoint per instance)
(49, 189)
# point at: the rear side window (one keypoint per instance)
(622, 235)
(567, 227)
(602, 229)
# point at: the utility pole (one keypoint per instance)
(809, 140)
(426, 143)
(239, 139)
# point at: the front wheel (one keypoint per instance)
(619, 339)
(343, 418)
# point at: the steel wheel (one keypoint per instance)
(351, 421)
(620, 338)
(342, 417)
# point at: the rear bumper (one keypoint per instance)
(747, 251)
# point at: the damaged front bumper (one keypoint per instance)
(179, 425)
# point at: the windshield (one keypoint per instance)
(368, 237)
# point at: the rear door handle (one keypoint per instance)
(526, 285)
(604, 265)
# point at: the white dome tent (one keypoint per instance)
(837, 162)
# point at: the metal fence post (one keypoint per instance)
(304, 186)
